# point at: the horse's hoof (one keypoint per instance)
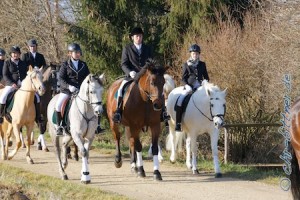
(86, 182)
(172, 161)
(76, 157)
(30, 161)
(65, 177)
(118, 162)
(195, 172)
(218, 175)
(134, 170)
(24, 146)
(157, 176)
(46, 149)
(39, 146)
(141, 172)
(69, 156)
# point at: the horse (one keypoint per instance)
(168, 87)
(204, 114)
(23, 113)
(142, 106)
(84, 109)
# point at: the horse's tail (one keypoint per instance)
(178, 142)
(169, 84)
(295, 176)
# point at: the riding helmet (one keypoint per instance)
(15, 49)
(136, 31)
(74, 47)
(2, 52)
(32, 42)
(194, 48)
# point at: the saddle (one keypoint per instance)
(9, 105)
(185, 102)
(125, 88)
(65, 109)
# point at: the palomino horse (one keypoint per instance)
(204, 114)
(23, 112)
(142, 106)
(84, 110)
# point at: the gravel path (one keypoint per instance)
(178, 183)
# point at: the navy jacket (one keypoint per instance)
(201, 73)
(38, 61)
(69, 76)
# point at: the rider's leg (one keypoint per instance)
(61, 98)
(3, 98)
(118, 114)
(186, 91)
(37, 104)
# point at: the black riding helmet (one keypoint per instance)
(15, 49)
(136, 31)
(74, 47)
(2, 52)
(32, 42)
(194, 48)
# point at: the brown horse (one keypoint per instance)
(142, 106)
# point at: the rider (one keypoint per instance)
(134, 57)
(14, 71)
(194, 72)
(2, 58)
(36, 60)
(71, 75)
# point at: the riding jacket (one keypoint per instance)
(38, 61)
(68, 75)
(190, 74)
(132, 60)
(13, 72)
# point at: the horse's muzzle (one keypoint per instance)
(157, 105)
(41, 90)
(98, 110)
(218, 121)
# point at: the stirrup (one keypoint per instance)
(178, 127)
(60, 131)
(117, 117)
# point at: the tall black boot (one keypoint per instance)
(60, 129)
(2, 107)
(178, 118)
(38, 116)
(99, 129)
(118, 114)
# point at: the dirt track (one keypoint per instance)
(177, 183)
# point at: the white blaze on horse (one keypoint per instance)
(204, 114)
(85, 108)
(23, 113)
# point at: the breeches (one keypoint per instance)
(60, 100)
(5, 93)
(184, 93)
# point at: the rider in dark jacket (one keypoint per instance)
(2, 58)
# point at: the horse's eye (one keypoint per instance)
(91, 92)
(211, 105)
(211, 98)
(152, 83)
(217, 98)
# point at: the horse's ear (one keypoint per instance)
(30, 68)
(102, 78)
(41, 69)
(166, 68)
(224, 92)
(208, 92)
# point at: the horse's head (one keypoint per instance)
(152, 82)
(36, 79)
(217, 103)
(92, 88)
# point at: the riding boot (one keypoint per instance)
(118, 114)
(2, 107)
(178, 118)
(165, 117)
(99, 129)
(60, 128)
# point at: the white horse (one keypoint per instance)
(83, 122)
(168, 87)
(204, 114)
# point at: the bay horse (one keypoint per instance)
(204, 114)
(83, 121)
(23, 113)
(142, 106)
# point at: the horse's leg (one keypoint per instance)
(188, 151)
(22, 139)
(133, 156)
(155, 131)
(41, 140)
(7, 134)
(193, 148)
(2, 143)
(32, 137)
(75, 156)
(214, 136)
(136, 146)
(172, 142)
(65, 144)
(160, 157)
(29, 128)
(57, 148)
(117, 137)
(16, 130)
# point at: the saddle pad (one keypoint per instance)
(65, 113)
(9, 105)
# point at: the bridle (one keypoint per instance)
(32, 85)
(148, 94)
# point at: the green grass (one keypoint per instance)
(41, 187)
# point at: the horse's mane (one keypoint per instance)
(210, 86)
